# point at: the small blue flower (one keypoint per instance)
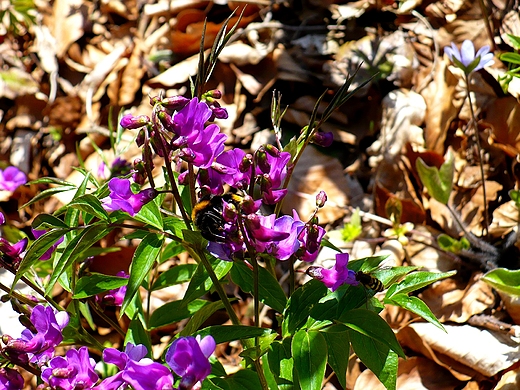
(466, 59)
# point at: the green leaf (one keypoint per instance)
(47, 221)
(438, 182)
(309, 351)
(137, 334)
(300, 305)
(353, 229)
(38, 248)
(243, 379)
(513, 58)
(515, 197)
(501, 279)
(151, 215)
(417, 306)
(269, 290)
(225, 333)
(75, 249)
(144, 258)
(450, 244)
(47, 193)
(281, 362)
(200, 316)
(89, 204)
(175, 311)
(175, 275)
(380, 359)
(201, 282)
(515, 41)
(337, 338)
(95, 283)
(416, 281)
(371, 325)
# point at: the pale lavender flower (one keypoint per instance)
(73, 372)
(11, 178)
(336, 277)
(122, 198)
(188, 358)
(466, 59)
(10, 379)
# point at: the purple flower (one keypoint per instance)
(2, 218)
(114, 297)
(188, 358)
(322, 138)
(333, 278)
(10, 379)
(272, 170)
(122, 198)
(232, 167)
(199, 145)
(10, 253)
(310, 240)
(39, 346)
(278, 237)
(11, 178)
(134, 122)
(136, 370)
(73, 372)
(47, 255)
(466, 59)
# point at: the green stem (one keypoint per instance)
(480, 156)
(107, 319)
(291, 275)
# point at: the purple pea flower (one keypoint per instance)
(199, 145)
(47, 255)
(276, 236)
(2, 218)
(72, 372)
(310, 239)
(323, 138)
(466, 59)
(10, 379)
(122, 198)
(11, 178)
(10, 253)
(39, 347)
(136, 370)
(272, 170)
(188, 358)
(334, 278)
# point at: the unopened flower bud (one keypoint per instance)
(272, 150)
(220, 112)
(245, 164)
(321, 198)
(167, 121)
(321, 138)
(215, 94)
(141, 136)
(174, 102)
(183, 178)
(261, 160)
(249, 205)
(265, 183)
(139, 171)
(134, 122)
(229, 212)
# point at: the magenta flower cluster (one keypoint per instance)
(187, 357)
(122, 198)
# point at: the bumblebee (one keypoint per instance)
(369, 281)
(207, 216)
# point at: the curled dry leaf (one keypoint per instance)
(403, 112)
(464, 350)
(503, 116)
(505, 218)
(423, 253)
(456, 301)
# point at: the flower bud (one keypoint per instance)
(261, 160)
(174, 102)
(183, 178)
(167, 121)
(245, 164)
(139, 171)
(321, 138)
(272, 150)
(220, 112)
(321, 198)
(134, 122)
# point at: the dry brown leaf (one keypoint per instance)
(67, 23)
(177, 74)
(510, 380)
(132, 75)
(15, 82)
(505, 219)
(415, 373)
(503, 116)
(439, 98)
(425, 256)
(453, 300)
(484, 351)
(317, 172)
